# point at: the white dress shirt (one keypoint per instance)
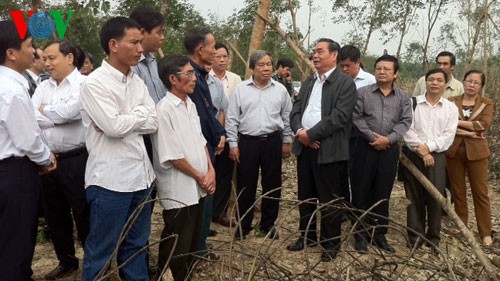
(34, 76)
(19, 133)
(312, 113)
(364, 79)
(433, 125)
(229, 81)
(179, 137)
(120, 106)
(61, 121)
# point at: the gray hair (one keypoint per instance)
(256, 56)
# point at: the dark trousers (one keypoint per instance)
(266, 154)
(423, 208)
(224, 174)
(321, 183)
(20, 188)
(64, 199)
(372, 176)
(186, 224)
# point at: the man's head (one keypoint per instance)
(60, 59)
(38, 65)
(152, 27)
(325, 55)
(446, 61)
(177, 74)
(121, 41)
(88, 64)
(200, 45)
(221, 58)
(350, 60)
(284, 67)
(15, 53)
(261, 64)
(435, 81)
(386, 69)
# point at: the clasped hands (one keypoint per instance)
(423, 151)
(207, 181)
(304, 139)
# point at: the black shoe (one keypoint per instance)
(238, 236)
(212, 233)
(60, 271)
(153, 270)
(414, 244)
(272, 234)
(328, 255)
(299, 244)
(382, 244)
(361, 246)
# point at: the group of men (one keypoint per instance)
(105, 144)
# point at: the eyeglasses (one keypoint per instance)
(188, 73)
(383, 69)
(221, 57)
(472, 82)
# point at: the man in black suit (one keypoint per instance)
(322, 118)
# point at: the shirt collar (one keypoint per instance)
(72, 78)
(14, 75)
(148, 57)
(215, 75)
(251, 82)
(325, 76)
(115, 73)
(33, 75)
(176, 100)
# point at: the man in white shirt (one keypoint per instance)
(446, 61)
(57, 108)
(35, 74)
(183, 166)
(23, 155)
(118, 175)
(350, 64)
(431, 133)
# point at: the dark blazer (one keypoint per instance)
(482, 116)
(338, 99)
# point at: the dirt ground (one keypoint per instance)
(267, 259)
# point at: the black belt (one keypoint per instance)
(71, 153)
(262, 137)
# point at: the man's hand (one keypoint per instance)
(234, 154)
(422, 150)
(303, 137)
(220, 146)
(208, 181)
(428, 160)
(52, 166)
(286, 148)
(380, 142)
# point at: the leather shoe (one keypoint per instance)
(272, 234)
(225, 221)
(299, 244)
(382, 244)
(328, 255)
(212, 233)
(60, 271)
(361, 246)
(238, 236)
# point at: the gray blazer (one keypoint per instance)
(338, 99)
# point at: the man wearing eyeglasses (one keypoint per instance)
(259, 135)
(445, 61)
(381, 117)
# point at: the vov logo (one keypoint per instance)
(41, 24)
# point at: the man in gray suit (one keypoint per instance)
(321, 119)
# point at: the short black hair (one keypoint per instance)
(147, 17)
(10, 39)
(115, 28)
(332, 45)
(475, 71)
(350, 52)
(437, 70)
(390, 58)
(284, 62)
(171, 65)
(453, 59)
(195, 36)
(89, 56)
(66, 48)
(220, 45)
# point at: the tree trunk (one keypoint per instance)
(475, 38)
(483, 259)
(258, 31)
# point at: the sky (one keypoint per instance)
(321, 20)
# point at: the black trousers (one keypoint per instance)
(64, 200)
(255, 153)
(423, 207)
(372, 177)
(320, 183)
(20, 188)
(185, 223)
(224, 167)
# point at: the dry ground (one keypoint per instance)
(267, 259)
